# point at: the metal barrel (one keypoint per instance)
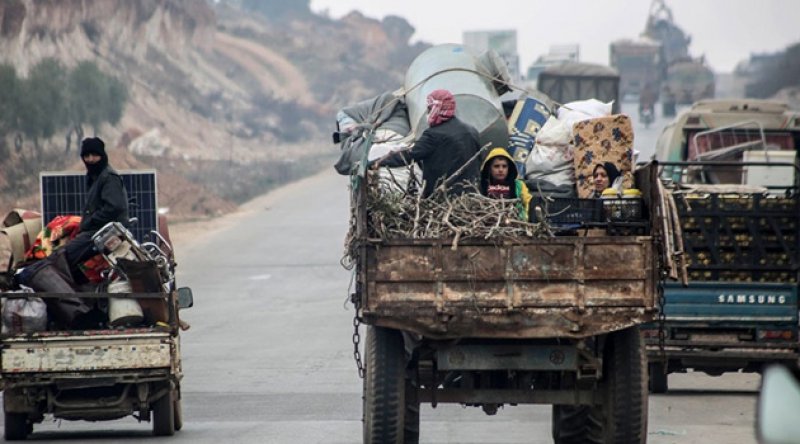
(454, 68)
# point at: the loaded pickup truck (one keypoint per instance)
(102, 370)
(733, 170)
(487, 322)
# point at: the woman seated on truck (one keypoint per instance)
(499, 180)
(606, 175)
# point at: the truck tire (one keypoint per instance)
(164, 415)
(17, 427)
(657, 378)
(411, 423)
(385, 390)
(622, 419)
(625, 409)
(177, 413)
(577, 424)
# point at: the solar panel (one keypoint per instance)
(64, 193)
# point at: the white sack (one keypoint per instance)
(551, 159)
(385, 142)
(573, 112)
(24, 315)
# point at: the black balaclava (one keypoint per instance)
(94, 145)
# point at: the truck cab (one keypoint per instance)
(732, 170)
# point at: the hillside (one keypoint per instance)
(225, 102)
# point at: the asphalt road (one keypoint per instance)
(269, 356)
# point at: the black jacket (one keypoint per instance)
(106, 201)
(441, 150)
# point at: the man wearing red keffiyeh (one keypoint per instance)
(441, 107)
(443, 148)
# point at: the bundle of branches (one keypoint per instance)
(402, 215)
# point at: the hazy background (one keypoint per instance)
(726, 31)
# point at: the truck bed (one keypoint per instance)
(102, 350)
(570, 287)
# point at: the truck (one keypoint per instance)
(105, 371)
(686, 82)
(570, 81)
(659, 63)
(639, 65)
(732, 166)
(487, 322)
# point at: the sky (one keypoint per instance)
(725, 31)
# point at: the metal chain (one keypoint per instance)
(662, 318)
(356, 335)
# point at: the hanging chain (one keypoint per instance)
(662, 318)
(356, 300)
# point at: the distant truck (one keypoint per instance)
(109, 372)
(535, 321)
(686, 82)
(570, 81)
(639, 65)
(733, 164)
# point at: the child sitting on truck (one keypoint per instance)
(499, 180)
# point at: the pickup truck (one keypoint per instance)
(487, 322)
(733, 169)
(93, 375)
(108, 371)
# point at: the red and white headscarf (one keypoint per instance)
(441, 107)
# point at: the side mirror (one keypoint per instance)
(185, 299)
(778, 404)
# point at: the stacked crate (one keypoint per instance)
(741, 238)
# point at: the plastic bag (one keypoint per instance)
(580, 110)
(24, 315)
(551, 159)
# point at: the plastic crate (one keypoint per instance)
(745, 238)
(567, 210)
(622, 210)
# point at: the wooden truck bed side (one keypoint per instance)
(568, 287)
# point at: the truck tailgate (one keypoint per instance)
(74, 353)
(563, 287)
(717, 302)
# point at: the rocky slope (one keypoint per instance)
(209, 83)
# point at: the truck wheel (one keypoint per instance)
(577, 424)
(16, 426)
(178, 413)
(411, 424)
(384, 397)
(657, 378)
(164, 416)
(626, 395)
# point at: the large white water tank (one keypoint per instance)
(473, 80)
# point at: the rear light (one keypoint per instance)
(775, 334)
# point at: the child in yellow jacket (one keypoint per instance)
(499, 180)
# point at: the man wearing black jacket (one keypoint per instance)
(106, 201)
(442, 149)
